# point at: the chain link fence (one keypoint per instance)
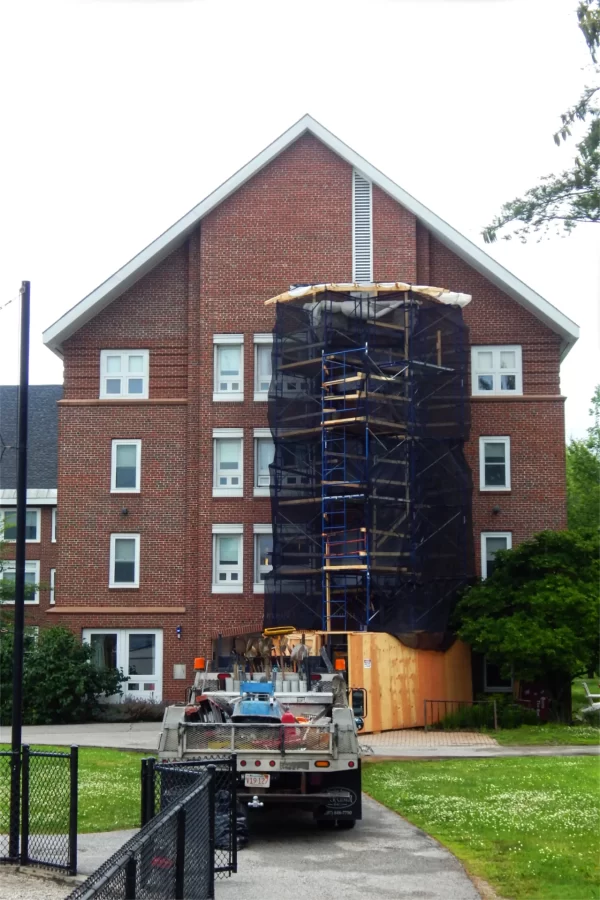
(48, 809)
(163, 783)
(171, 858)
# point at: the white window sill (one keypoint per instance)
(228, 492)
(27, 541)
(123, 397)
(262, 492)
(259, 588)
(123, 587)
(497, 394)
(494, 489)
(261, 396)
(125, 491)
(227, 589)
(228, 398)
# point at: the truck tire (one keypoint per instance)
(346, 824)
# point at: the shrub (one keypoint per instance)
(481, 715)
(61, 684)
(131, 711)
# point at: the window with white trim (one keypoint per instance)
(32, 578)
(263, 346)
(494, 463)
(264, 452)
(228, 462)
(362, 228)
(491, 543)
(32, 525)
(496, 370)
(124, 374)
(54, 524)
(228, 367)
(126, 458)
(263, 555)
(124, 561)
(227, 559)
(52, 583)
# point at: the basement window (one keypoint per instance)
(124, 374)
(491, 543)
(496, 371)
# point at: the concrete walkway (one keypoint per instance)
(409, 744)
(384, 856)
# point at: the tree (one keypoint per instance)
(583, 474)
(573, 196)
(537, 614)
(60, 681)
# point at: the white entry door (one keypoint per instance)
(137, 651)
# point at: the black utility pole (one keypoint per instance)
(17, 704)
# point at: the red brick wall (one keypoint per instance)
(47, 553)
(290, 224)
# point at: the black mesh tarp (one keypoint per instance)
(370, 491)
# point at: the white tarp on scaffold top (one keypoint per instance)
(450, 298)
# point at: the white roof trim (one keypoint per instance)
(36, 496)
(159, 249)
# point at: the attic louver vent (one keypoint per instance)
(362, 229)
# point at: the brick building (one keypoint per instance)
(163, 435)
(41, 535)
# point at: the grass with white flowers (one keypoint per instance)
(528, 825)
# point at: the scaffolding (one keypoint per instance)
(370, 491)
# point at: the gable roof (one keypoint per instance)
(42, 438)
(160, 248)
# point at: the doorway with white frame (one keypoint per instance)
(137, 651)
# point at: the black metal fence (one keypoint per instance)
(48, 821)
(448, 713)
(171, 858)
(165, 782)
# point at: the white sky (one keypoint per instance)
(120, 115)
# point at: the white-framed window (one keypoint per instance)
(33, 525)
(54, 524)
(52, 583)
(491, 542)
(263, 555)
(126, 466)
(229, 367)
(264, 452)
(124, 561)
(124, 374)
(263, 346)
(32, 577)
(494, 463)
(496, 370)
(493, 680)
(228, 462)
(228, 574)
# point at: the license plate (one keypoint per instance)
(257, 780)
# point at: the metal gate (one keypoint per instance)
(162, 783)
(48, 820)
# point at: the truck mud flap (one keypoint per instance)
(344, 796)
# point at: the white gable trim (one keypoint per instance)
(159, 249)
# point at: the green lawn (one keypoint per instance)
(109, 791)
(550, 734)
(529, 826)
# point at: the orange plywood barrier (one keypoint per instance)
(398, 679)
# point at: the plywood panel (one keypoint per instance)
(398, 679)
